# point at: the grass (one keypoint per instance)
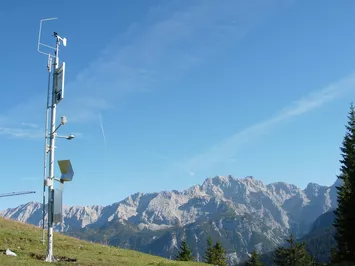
(25, 241)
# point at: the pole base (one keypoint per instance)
(50, 259)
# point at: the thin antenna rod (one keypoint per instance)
(16, 193)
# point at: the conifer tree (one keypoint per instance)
(294, 255)
(219, 255)
(345, 214)
(254, 259)
(209, 251)
(184, 253)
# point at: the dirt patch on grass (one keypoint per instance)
(57, 258)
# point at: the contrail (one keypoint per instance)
(102, 129)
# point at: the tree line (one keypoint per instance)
(295, 254)
(214, 254)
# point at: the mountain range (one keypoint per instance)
(243, 214)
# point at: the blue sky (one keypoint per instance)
(185, 89)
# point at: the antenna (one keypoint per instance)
(39, 44)
(16, 193)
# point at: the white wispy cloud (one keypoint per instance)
(172, 39)
(173, 163)
(31, 125)
(191, 173)
(156, 155)
(102, 130)
(21, 132)
(225, 150)
(31, 178)
(28, 131)
(24, 130)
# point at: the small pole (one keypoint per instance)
(49, 66)
(51, 160)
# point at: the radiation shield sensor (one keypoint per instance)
(67, 170)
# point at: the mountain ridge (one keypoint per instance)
(245, 213)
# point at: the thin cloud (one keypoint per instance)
(156, 155)
(27, 132)
(191, 173)
(174, 163)
(31, 178)
(21, 133)
(103, 131)
(172, 39)
(226, 149)
(34, 107)
(31, 125)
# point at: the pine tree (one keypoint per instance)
(345, 214)
(219, 255)
(295, 255)
(254, 260)
(333, 255)
(185, 252)
(209, 251)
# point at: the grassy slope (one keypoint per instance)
(25, 241)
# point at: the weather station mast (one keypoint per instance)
(54, 96)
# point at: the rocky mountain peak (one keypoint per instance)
(313, 189)
(244, 206)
